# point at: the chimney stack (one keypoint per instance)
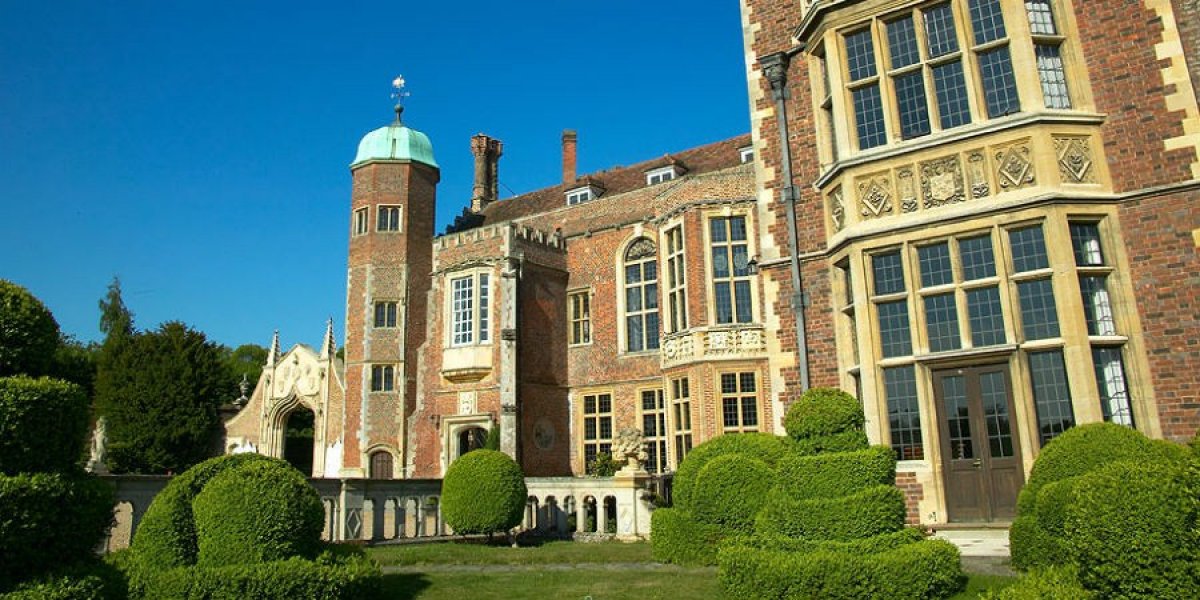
(569, 138)
(487, 151)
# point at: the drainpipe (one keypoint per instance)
(774, 68)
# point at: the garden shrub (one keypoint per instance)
(88, 580)
(730, 490)
(49, 520)
(1052, 502)
(257, 512)
(822, 412)
(483, 492)
(846, 441)
(43, 425)
(29, 334)
(836, 474)
(166, 536)
(927, 569)
(867, 513)
(677, 537)
(872, 545)
(323, 579)
(1082, 449)
(1031, 546)
(765, 447)
(1050, 583)
(1132, 532)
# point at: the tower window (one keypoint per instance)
(388, 218)
(360, 221)
(385, 313)
(383, 378)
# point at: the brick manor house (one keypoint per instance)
(981, 217)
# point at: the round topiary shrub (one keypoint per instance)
(1132, 531)
(49, 520)
(677, 537)
(483, 492)
(28, 332)
(730, 490)
(768, 448)
(1080, 450)
(821, 412)
(166, 537)
(257, 512)
(43, 425)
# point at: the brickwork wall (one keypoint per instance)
(1187, 14)
(914, 492)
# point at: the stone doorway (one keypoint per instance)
(298, 434)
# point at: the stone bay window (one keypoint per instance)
(640, 298)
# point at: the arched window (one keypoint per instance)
(381, 465)
(641, 296)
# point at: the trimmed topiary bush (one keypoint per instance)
(49, 520)
(730, 490)
(867, 513)
(1083, 449)
(677, 537)
(29, 334)
(43, 425)
(327, 578)
(1132, 531)
(260, 511)
(836, 474)
(88, 580)
(1052, 583)
(879, 543)
(826, 420)
(483, 492)
(765, 447)
(1030, 546)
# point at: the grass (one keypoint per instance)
(977, 584)
(551, 552)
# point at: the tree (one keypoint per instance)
(116, 320)
(245, 361)
(75, 361)
(28, 332)
(160, 391)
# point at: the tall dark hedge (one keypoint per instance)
(43, 425)
(483, 492)
(29, 334)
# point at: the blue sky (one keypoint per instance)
(199, 150)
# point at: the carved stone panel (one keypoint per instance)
(942, 182)
(1075, 163)
(977, 174)
(1014, 166)
(875, 195)
(837, 210)
(908, 189)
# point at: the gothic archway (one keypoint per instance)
(298, 433)
(472, 438)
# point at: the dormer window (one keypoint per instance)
(581, 195)
(746, 154)
(661, 174)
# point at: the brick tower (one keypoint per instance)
(391, 230)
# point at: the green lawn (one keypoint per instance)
(601, 571)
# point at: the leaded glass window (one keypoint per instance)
(739, 402)
(731, 269)
(641, 296)
(904, 414)
(597, 427)
(1051, 394)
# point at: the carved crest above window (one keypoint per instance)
(639, 249)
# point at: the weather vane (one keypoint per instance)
(399, 95)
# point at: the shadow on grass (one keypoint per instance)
(404, 586)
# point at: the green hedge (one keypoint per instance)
(837, 474)
(1133, 531)
(864, 514)
(1052, 583)
(260, 511)
(765, 447)
(1053, 500)
(1030, 546)
(1082, 449)
(88, 580)
(730, 490)
(48, 520)
(846, 441)
(821, 412)
(924, 570)
(483, 492)
(28, 332)
(872, 545)
(43, 425)
(166, 536)
(677, 537)
(289, 579)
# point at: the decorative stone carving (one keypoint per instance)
(875, 193)
(1014, 168)
(679, 348)
(744, 341)
(908, 190)
(837, 210)
(467, 402)
(639, 249)
(97, 462)
(543, 434)
(942, 182)
(1075, 159)
(977, 174)
(629, 448)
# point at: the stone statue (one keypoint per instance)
(99, 455)
(629, 447)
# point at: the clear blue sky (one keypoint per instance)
(199, 150)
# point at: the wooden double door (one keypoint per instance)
(981, 457)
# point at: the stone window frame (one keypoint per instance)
(639, 235)
(583, 335)
(582, 416)
(663, 437)
(483, 294)
(710, 279)
(383, 378)
(384, 222)
(391, 320)
(360, 221)
(674, 286)
(680, 400)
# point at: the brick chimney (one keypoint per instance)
(569, 138)
(487, 151)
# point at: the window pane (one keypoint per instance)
(978, 260)
(737, 229)
(941, 320)
(633, 299)
(951, 89)
(651, 293)
(894, 332)
(860, 55)
(741, 261)
(999, 86)
(940, 34)
(1110, 380)
(1097, 308)
(904, 418)
(729, 383)
(633, 325)
(1028, 249)
(742, 290)
(1085, 239)
(1041, 18)
(717, 230)
(985, 317)
(749, 412)
(1051, 394)
(729, 411)
(958, 417)
(1039, 316)
(724, 303)
(633, 274)
(868, 117)
(935, 265)
(986, 21)
(747, 381)
(484, 305)
(993, 388)
(902, 43)
(912, 104)
(1052, 75)
(889, 273)
(720, 258)
(651, 331)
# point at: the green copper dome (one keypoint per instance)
(395, 142)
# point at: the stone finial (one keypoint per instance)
(273, 352)
(329, 344)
